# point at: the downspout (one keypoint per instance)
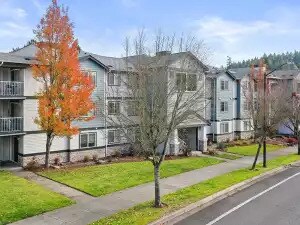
(105, 111)
(1, 64)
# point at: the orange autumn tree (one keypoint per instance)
(65, 95)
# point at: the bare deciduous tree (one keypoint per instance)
(292, 114)
(164, 89)
(264, 106)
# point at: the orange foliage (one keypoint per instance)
(66, 93)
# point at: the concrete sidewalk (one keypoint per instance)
(91, 209)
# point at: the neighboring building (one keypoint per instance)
(21, 139)
(228, 109)
(290, 80)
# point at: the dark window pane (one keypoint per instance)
(83, 140)
(192, 82)
(92, 140)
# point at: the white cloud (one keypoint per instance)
(244, 39)
(230, 31)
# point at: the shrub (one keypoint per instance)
(245, 143)
(86, 158)
(221, 146)
(117, 153)
(185, 151)
(57, 161)
(32, 164)
(95, 158)
(209, 142)
(212, 152)
(231, 144)
(291, 141)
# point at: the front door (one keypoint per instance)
(16, 148)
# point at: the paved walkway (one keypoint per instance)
(92, 209)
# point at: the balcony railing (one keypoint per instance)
(11, 124)
(11, 88)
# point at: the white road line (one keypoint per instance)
(250, 199)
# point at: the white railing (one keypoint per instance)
(11, 88)
(11, 124)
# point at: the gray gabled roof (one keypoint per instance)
(11, 58)
(239, 73)
(285, 74)
(118, 64)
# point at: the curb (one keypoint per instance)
(203, 203)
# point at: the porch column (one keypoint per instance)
(174, 143)
(202, 139)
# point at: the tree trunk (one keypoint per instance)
(48, 145)
(256, 156)
(157, 202)
(298, 137)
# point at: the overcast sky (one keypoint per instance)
(238, 28)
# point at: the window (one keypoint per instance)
(114, 136)
(224, 85)
(131, 108)
(186, 82)
(92, 113)
(133, 135)
(181, 81)
(224, 106)
(192, 82)
(224, 128)
(113, 108)
(87, 140)
(247, 125)
(92, 74)
(114, 79)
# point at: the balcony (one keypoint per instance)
(11, 89)
(11, 125)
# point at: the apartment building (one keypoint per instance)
(227, 108)
(21, 139)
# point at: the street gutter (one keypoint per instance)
(191, 209)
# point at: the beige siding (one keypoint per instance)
(36, 143)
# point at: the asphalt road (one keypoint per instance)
(273, 201)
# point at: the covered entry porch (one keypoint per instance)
(9, 149)
(194, 137)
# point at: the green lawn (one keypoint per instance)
(251, 150)
(145, 213)
(20, 198)
(228, 156)
(103, 179)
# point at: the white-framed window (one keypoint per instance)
(186, 82)
(92, 74)
(114, 79)
(113, 136)
(133, 134)
(191, 82)
(224, 127)
(87, 140)
(224, 106)
(224, 85)
(113, 108)
(247, 125)
(132, 108)
(90, 113)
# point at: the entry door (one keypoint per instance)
(16, 148)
